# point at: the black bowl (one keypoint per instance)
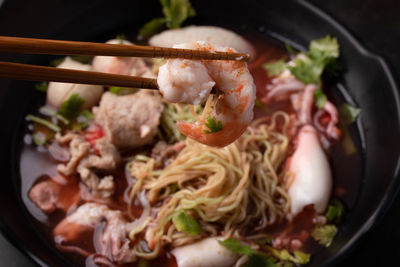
(367, 82)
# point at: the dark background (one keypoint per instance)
(376, 23)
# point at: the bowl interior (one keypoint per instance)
(367, 82)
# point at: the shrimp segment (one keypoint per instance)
(234, 107)
(230, 131)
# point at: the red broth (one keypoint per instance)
(37, 165)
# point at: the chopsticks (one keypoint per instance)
(27, 72)
(50, 74)
(56, 47)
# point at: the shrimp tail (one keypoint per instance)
(230, 131)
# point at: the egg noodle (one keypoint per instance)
(227, 190)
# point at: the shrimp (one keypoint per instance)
(187, 81)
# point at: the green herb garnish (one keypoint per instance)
(309, 67)
(275, 68)
(324, 234)
(351, 113)
(290, 49)
(83, 120)
(186, 223)
(320, 98)
(71, 108)
(306, 70)
(256, 259)
(297, 257)
(237, 247)
(175, 13)
(43, 122)
(52, 113)
(122, 90)
(262, 260)
(115, 89)
(152, 27)
(335, 211)
(42, 87)
(213, 125)
(324, 49)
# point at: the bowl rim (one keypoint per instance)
(394, 185)
(388, 197)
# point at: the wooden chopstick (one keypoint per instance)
(19, 71)
(44, 46)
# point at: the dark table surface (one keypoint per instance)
(377, 25)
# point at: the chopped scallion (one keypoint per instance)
(44, 122)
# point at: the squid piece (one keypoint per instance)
(205, 253)
(312, 178)
(214, 35)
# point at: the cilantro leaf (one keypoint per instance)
(324, 234)
(87, 114)
(298, 257)
(122, 90)
(307, 70)
(335, 211)
(261, 260)
(320, 98)
(176, 12)
(258, 259)
(53, 113)
(152, 27)
(71, 107)
(115, 89)
(237, 247)
(213, 125)
(186, 223)
(275, 68)
(309, 67)
(83, 120)
(351, 113)
(42, 87)
(324, 49)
